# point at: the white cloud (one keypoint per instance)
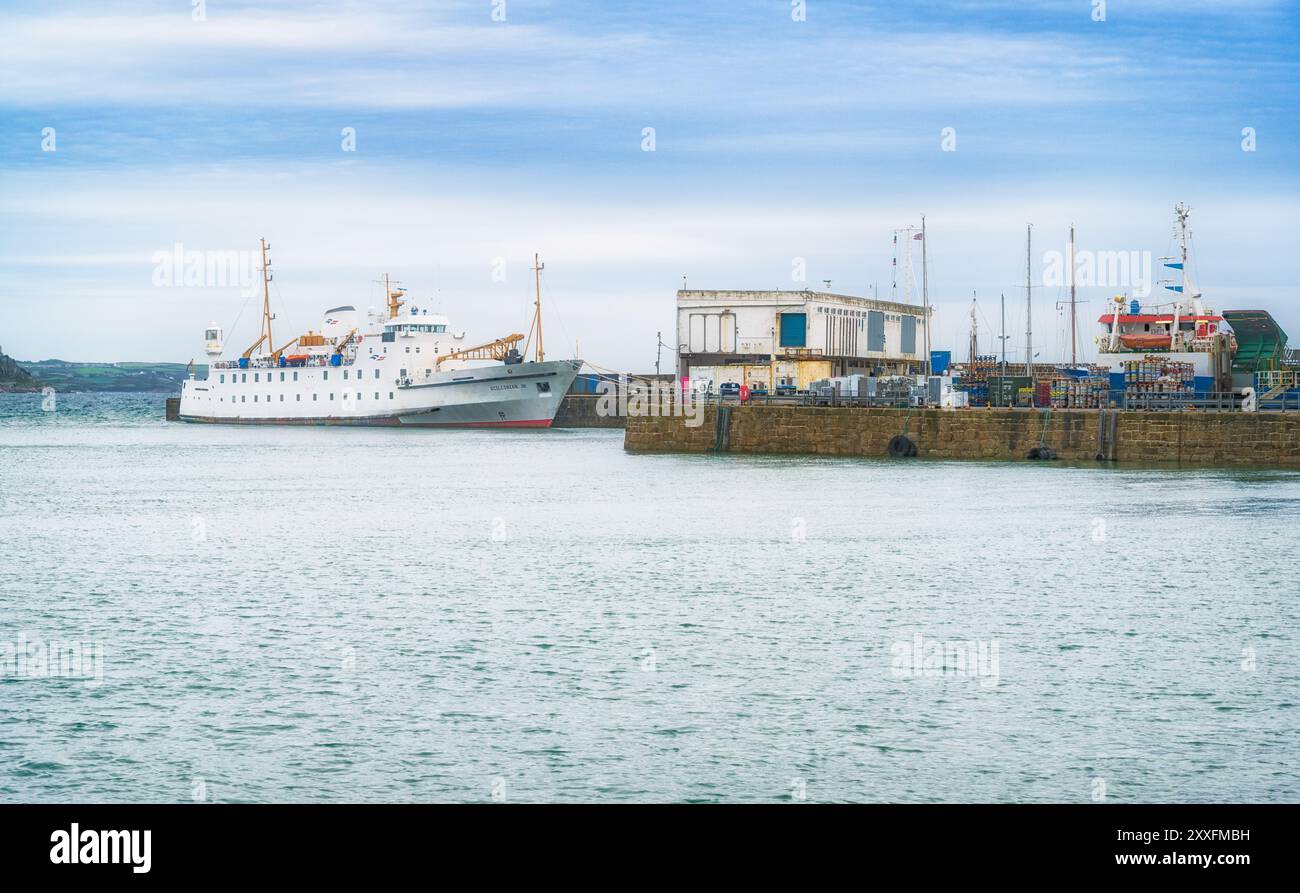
(613, 263)
(395, 57)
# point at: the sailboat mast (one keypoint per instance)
(1029, 301)
(1003, 336)
(1074, 320)
(925, 299)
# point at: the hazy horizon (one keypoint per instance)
(777, 144)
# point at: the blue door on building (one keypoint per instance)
(875, 331)
(794, 330)
(909, 335)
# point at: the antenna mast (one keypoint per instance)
(1187, 287)
(974, 328)
(910, 234)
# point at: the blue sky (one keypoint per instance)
(775, 139)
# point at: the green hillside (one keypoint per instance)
(65, 376)
(14, 377)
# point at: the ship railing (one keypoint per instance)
(1176, 401)
(1287, 401)
(1282, 379)
(1190, 401)
(264, 364)
(806, 398)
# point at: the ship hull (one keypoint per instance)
(522, 395)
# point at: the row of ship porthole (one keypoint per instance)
(298, 397)
(242, 377)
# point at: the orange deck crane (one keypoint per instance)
(345, 341)
(493, 350)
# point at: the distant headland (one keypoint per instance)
(14, 377)
(66, 377)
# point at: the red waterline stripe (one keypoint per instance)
(535, 423)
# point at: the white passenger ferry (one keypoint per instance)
(397, 367)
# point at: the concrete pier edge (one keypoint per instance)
(1184, 438)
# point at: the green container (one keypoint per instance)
(1003, 389)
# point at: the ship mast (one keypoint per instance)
(266, 294)
(394, 298)
(538, 266)
(264, 334)
(1186, 287)
(1182, 212)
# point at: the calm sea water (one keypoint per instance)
(299, 614)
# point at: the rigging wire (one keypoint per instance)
(284, 305)
(552, 302)
(611, 375)
(240, 315)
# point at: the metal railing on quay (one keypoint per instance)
(1128, 400)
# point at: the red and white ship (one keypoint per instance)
(1183, 330)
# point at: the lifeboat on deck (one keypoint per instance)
(1145, 341)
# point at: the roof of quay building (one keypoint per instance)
(793, 296)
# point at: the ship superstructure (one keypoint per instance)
(1182, 330)
(401, 366)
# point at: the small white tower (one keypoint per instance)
(214, 342)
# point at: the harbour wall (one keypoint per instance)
(1186, 438)
(579, 411)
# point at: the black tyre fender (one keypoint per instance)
(901, 447)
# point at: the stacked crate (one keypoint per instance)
(1158, 375)
(1043, 393)
(1086, 392)
(975, 379)
(1061, 388)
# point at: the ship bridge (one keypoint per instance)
(415, 324)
